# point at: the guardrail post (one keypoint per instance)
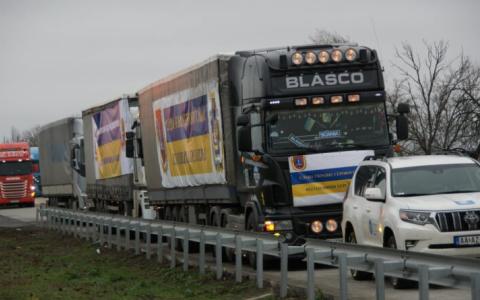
(342, 268)
(118, 236)
(137, 238)
(128, 228)
(259, 270)
(379, 279)
(283, 270)
(186, 242)
(238, 258)
(109, 239)
(475, 285)
(148, 250)
(310, 273)
(201, 257)
(218, 256)
(423, 284)
(37, 214)
(160, 244)
(173, 241)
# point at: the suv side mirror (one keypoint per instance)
(244, 139)
(374, 194)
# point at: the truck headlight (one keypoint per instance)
(331, 225)
(415, 217)
(297, 58)
(316, 226)
(32, 188)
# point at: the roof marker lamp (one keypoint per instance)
(336, 99)
(350, 54)
(337, 55)
(323, 57)
(354, 98)
(301, 101)
(310, 58)
(318, 100)
(297, 58)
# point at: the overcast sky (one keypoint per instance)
(58, 58)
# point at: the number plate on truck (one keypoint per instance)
(14, 201)
(468, 240)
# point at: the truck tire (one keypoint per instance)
(398, 283)
(357, 275)
(228, 253)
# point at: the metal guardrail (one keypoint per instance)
(424, 268)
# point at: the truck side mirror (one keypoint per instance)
(129, 147)
(244, 139)
(403, 108)
(402, 127)
(243, 120)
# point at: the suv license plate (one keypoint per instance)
(469, 240)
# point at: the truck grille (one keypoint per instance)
(13, 190)
(458, 220)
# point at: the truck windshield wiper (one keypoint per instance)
(460, 191)
(413, 194)
(301, 144)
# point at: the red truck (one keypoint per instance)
(16, 175)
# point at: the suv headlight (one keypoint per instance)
(415, 217)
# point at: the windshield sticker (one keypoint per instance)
(309, 123)
(465, 202)
(330, 134)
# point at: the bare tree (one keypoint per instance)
(441, 116)
(322, 36)
(32, 136)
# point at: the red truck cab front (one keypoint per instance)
(16, 175)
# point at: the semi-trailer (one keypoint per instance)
(62, 163)
(115, 182)
(264, 140)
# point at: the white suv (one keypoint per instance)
(416, 203)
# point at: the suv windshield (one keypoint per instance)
(436, 179)
(333, 127)
(16, 168)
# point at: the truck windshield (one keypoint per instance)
(15, 168)
(329, 128)
(437, 179)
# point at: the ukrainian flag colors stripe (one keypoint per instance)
(320, 188)
(190, 156)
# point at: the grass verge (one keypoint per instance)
(38, 264)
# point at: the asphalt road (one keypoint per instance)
(326, 278)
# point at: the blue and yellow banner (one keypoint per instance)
(323, 178)
(189, 137)
(109, 140)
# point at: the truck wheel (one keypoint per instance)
(357, 275)
(398, 283)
